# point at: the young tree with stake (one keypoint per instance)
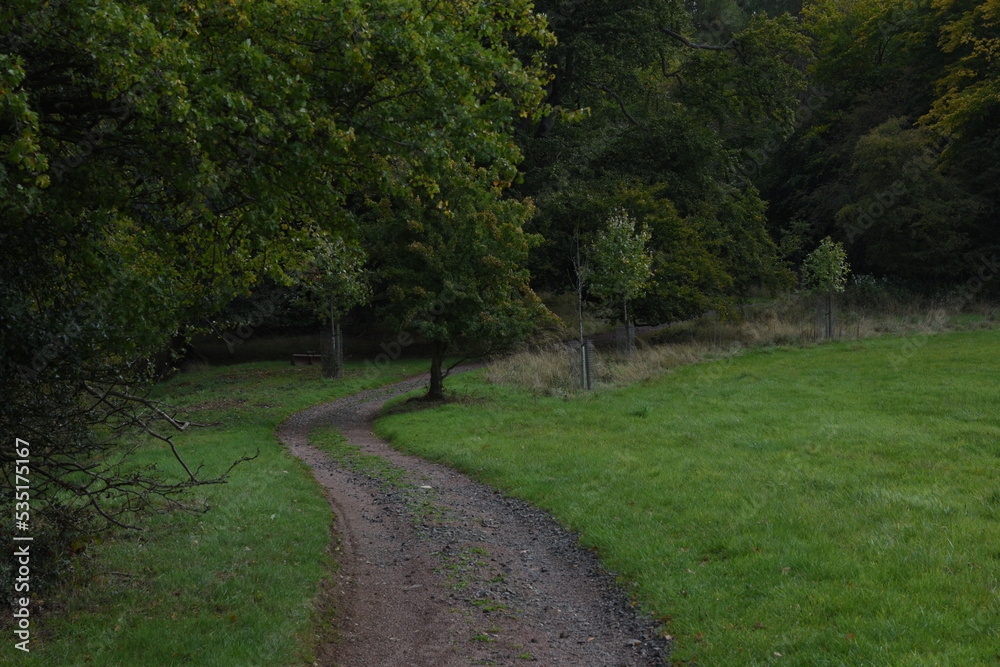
(824, 272)
(622, 266)
(334, 280)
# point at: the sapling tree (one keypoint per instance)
(824, 272)
(581, 271)
(334, 281)
(622, 266)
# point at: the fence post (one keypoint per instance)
(326, 353)
(338, 350)
(589, 365)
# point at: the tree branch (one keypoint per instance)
(132, 420)
(621, 103)
(152, 405)
(693, 45)
(663, 66)
(448, 370)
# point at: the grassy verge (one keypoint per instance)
(831, 505)
(234, 586)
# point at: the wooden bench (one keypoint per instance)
(307, 359)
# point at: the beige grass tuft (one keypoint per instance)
(553, 368)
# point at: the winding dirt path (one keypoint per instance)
(438, 570)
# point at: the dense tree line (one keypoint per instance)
(667, 102)
(899, 161)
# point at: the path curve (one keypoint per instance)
(440, 570)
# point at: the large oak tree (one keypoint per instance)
(158, 158)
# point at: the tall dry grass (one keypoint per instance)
(553, 368)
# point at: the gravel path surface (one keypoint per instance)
(439, 570)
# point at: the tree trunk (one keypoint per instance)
(825, 319)
(584, 380)
(338, 350)
(326, 354)
(831, 318)
(333, 353)
(579, 291)
(435, 392)
(629, 332)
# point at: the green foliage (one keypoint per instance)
(911, 218)
(158, 159)
(449, 266)
(334, 277)
(689, 273)
(825, 270)
(621, 262)
(969, 86)
(451, 270)
(670, 123)
(899, 159)
(968, 94)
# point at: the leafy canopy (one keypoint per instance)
(157, 159)
(674, 99)
(622, 265)
(825, 269)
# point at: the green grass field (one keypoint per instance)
(235, 586)
(832, 505)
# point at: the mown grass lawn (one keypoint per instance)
(234, 586)
(832, 505)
